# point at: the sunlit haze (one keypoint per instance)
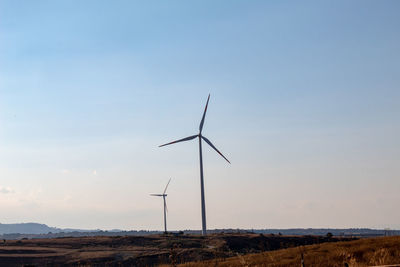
(305, 103)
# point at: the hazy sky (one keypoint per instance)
(305, 103)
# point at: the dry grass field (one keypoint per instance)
(149, 250)
(378, 251)
(198, 251)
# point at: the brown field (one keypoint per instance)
(379, 251)
(149, 250)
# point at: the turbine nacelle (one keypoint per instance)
(200, 136)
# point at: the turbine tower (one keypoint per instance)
(165, 205)
(201, 137)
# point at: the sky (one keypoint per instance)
(304, 103)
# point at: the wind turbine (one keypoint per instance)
(165, 204)
(201, 137)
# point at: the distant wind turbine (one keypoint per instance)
(165, 204)
(200, 136)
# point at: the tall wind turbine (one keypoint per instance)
(201, 137)
(165, 204)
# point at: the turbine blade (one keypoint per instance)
(156, 195)
(166, 207)
(204, 115)
(167, 186)
(181, 140)
(209, 142)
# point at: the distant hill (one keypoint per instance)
(27, 228)
(359, 232)
(35, 229)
